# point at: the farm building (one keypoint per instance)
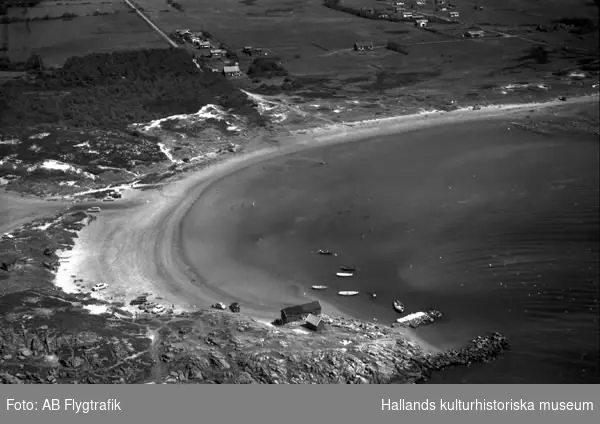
(202, 43)
(407, 15)
(441, 2)
(232, 71)
(474, 34)
(454, 14)
(360, 46)
(421, 23)
(300, 312)
(421, 2)
(218, 52)
(399, 3)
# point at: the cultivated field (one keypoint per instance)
(55, 9)
(100, 26)
(524, 42)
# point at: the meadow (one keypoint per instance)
(315, 44)
(99, 26)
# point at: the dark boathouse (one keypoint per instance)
(300, 312)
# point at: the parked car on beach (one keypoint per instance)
(99, 286)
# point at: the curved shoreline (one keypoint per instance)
(325, 137)
(140, 250)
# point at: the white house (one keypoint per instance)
(232, 71)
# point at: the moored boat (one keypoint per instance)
(398, 306)
(319, 287)
(348, 293)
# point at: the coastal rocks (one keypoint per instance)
(52, 360)
(244, 378)
(218, 360)
(167, 357)
(7, 378)
(24, 353)
(220, 306)
(48, 265)
(234, 307)
(479, 350)
(210, 346)
(72, 362)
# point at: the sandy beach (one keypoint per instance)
(134, 244)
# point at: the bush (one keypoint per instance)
(267, 67)
(580, 25)
(175, 5)
(34, 63)
(68, 16)
(397, 47)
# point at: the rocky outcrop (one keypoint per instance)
(208, 347)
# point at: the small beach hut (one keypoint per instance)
(300, 312)
(314, 322)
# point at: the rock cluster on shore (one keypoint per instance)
(47, 340)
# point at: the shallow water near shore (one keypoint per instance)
(497, 228)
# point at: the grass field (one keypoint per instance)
(315, 43)
(58, 8)
(58, 39)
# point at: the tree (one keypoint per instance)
(34, 63)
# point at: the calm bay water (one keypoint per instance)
(497, 228)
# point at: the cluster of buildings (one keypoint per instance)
(205, 45)
(413, 10)
(209, 49)
(416, 11)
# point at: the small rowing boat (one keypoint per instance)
(324, 252)
(319, 287)
(347, 293)
(398, 306)
(344, 274)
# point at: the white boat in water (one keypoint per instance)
(398, 306)
(348, 293)
(344, 274)
(411, 317)
(319, 287)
